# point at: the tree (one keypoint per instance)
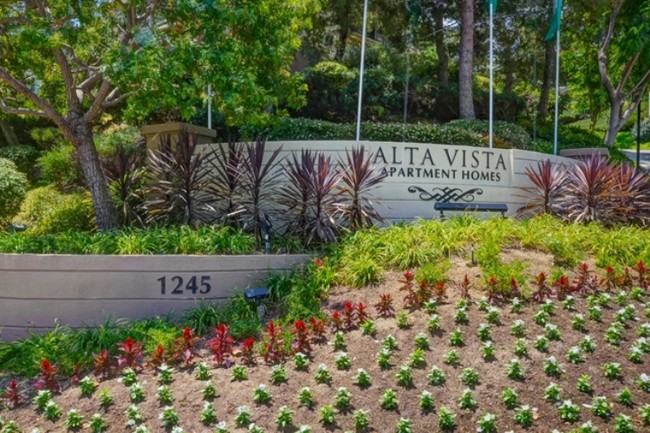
(609, 56)
(71, 60)
(626, 43)
(466, 62)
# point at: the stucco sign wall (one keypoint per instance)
(418, 175)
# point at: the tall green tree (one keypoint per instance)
(71, 60)
(611, 39)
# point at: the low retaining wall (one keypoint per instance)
(37, 290)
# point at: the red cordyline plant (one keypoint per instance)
(547, 180)
(590, 191)
(541, 289)
(300, 341)
(130, 354)
(643, 274)
(464, 288)
(563, 287)
(608, 282)
(48, 377)
(273, 344)
(632, 199)
(358, 179)
(76, 375)
(336, 321)
(186, 347)
(102, 365)
(585, 281)
(349, 314)
(157, 357)
(317, 327)
(248, 351)
(385, 305)
(221, 345)
(12, 395)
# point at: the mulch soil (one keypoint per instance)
(363, 349)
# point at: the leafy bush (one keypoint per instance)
(569, 137)
(13, 186)
(506, 134)
(328, 94)
(182, 240)
(45, 210)
(645, 131)
(306, 129)
(59, 166)
(23, 156)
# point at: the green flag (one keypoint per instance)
(555, 21)
(494, 5)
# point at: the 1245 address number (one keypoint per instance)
(195, 284)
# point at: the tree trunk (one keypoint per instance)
(614, 124)
(465, 95)
(441, 50)
(545, 91)
(82, 139)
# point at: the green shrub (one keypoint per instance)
(506, 134)
(59, 166)
(23, 156)
(13, 185)
(569, 137)
(46, 210)
(307, 129)
(645, 131)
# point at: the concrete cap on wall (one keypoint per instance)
(585, 152)
(152, 133)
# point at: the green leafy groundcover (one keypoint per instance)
(357, 260)
(181, 240)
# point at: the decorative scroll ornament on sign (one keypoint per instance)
(445, 194)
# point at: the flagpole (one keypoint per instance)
(209, 106)
(557, 87)
(491, 74)
(363, 55)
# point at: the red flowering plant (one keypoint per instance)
(362, 312)
(12, 394)
(464, 288)
(247, 352)
(273, 344)
(317, 327)
(186, 347)
(349, 314)
(494, 295)
(300, 341)
(221, 345)
(129, 354)
(102, 365)
(563, 287)
(541, 288)
(585, 281)
(643, 274)
(48, 377)
(336, 321)
(385, 305)
(608, 282)
(411, 299)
